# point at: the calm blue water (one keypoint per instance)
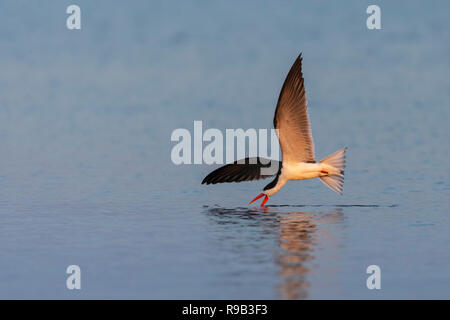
(85, 171)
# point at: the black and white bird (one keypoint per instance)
(297, 147)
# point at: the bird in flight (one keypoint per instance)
(297, 147)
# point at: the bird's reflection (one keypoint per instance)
(298, 235)
(297, 238)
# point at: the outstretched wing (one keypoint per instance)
(291, 118)
(244, 170)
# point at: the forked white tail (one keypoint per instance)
(335, 181)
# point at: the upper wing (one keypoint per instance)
(244, 170)
(291, 118)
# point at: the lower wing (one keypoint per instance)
(244, 170)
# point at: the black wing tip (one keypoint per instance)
(208, 180)
(298, 61)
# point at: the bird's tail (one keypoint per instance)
(335, 181)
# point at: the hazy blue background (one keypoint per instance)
(85, 171)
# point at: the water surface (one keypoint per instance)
(85, 172)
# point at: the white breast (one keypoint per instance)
(301, 170)
(296, 171)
